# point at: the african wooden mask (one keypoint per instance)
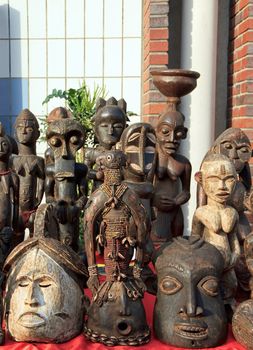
(138, 143)
(44, 295)
(189, 311)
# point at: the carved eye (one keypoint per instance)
(30, 129)
(209, 285)
(74, 140)
(55, 141)
(244, 149)
(109, 157)
(228, 145)
(4, 144)
(23, 283)
(104, 125)
(110, 296)
(165, 131)
(118, 126)
(45, 284)
(170, 285)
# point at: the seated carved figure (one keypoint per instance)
(172, 178)
(216, 221)
(44, 292)
(189, 311)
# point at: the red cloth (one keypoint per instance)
(80, 343)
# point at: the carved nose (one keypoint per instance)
(31, 298)
(233, 153)
(192, 309)
(124, 308)
(110, 129)
(222, 185)
(64, 151)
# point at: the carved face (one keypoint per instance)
(5, 148)
(127, 317)
(234, 144)
(218, 179)
(65, 137)
(109, 125)
(170, 131)
(138, 143)
(43, 303)
(26, 131)
(189, 311)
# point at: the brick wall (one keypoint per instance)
(155, 55)
(241, 67)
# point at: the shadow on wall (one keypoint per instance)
(13, 88)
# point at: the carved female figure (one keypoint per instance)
(116, 205)
(172, 177)
(30, 169)
(235, 144)
(216, 221)
(109, 123)
(44, 292)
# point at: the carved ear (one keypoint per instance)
(198, 177)
(100, 103)
(185, 133)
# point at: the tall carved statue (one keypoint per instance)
(120, 295)
(30, 169)
(216, 221)
(235, 144)
(173, 170)
(65, 184)
(189, 311)
(44, 292)
(9, 200)
(109, 123)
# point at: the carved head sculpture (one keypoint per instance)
(138, 143)
(189, 311)
(109, 121)
(5, 145)
(126, 324)
(44, 292)
(27, 128)
(170, 131)
(65, 137)
(218, 177)
(234, 144)
(59, 113)
(112, 163)
(242, 324)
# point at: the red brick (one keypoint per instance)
(246, 111)
(158, 59)
(245, 74)
(159, 21)
(154, 108)
(242, 3)
(245, 25)
(242, 122)
(159, 33)
(159, 46)
(244, 99)
(246, 87)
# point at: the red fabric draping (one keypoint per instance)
(80, 343)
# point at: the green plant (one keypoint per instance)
(81, 102)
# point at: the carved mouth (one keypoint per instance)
(31, 320)
(191, 331)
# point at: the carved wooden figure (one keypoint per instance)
(235, 144)
(44, 292)
(189, 311)
(30, 169)
(65, 182)
(216, 221)
(109, 123)
(173, 171)
(120, 295)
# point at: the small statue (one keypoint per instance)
(116, 205)
(109, 123)
(44, 292)
(189, 312)
(65, 184)
(172, 178)
(234, 144)
(138, 142)
(30, 169)
(216, 221)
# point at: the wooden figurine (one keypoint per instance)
(216, 221)
(30, 169)
(109, 123)
(120, 295)
(173, 171)
(235, 144)
(65, 183)
(189, 312)
(44, 292)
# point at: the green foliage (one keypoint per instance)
(81, 102)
